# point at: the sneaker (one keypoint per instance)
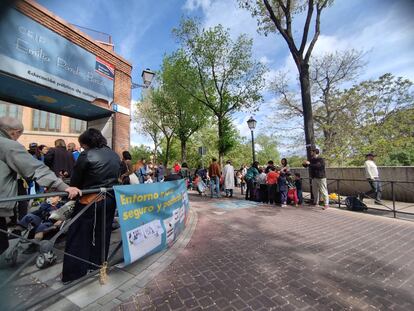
(283, 205)
(325, 207)
(378, 202)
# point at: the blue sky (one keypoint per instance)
(141, 32)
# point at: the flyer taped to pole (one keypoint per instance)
(151, 216)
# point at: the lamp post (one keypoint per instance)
(147, 76)
(251, 123)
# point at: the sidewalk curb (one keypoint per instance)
(123, 282)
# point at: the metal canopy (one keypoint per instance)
(26, 93)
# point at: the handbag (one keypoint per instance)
(133, 179)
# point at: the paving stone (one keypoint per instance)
(109, 297)
(267, 258)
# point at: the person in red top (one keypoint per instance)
(271, 181)
(177, 167)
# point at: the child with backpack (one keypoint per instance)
(292, 192)
(250, 179)
(283, 189)
(298, 184)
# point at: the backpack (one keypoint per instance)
(355, 204)
(250, 173)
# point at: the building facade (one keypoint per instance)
(43, 127)
(59, 80)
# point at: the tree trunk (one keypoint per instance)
(307, 108)
(167, 152)
(155, 151)
(220, 137)
(183, 150)
(307, 113)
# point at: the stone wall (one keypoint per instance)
(398, 174)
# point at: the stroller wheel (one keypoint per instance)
(45, 259)
(41, 261)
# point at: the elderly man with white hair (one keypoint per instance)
(16, 161)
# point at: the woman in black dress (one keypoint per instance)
(97, 167)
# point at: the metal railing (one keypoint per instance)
(48, 245)
(334, 185)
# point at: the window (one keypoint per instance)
(10, 110)
(46, 121)
(77, 126)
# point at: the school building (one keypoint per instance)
(59, 81)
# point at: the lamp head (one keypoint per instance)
(251, 123)
(147, 76)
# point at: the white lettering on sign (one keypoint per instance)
(25, 47)
(32, 35)
(63, 64)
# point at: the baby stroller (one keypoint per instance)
(200, 185)
(46, 256)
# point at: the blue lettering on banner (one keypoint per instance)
(151, 216)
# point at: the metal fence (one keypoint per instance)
(47, 246)
(388, 206)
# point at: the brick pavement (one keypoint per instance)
(268, 258)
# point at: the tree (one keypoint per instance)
(328, 74)
(151, 111)
(227, 78)
(266, 146)
(149, 128)
(188, 114)
(277, 15)
(139, 152)
(383, 117)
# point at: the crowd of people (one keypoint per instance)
(270, 183)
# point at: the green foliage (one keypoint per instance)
(227, 139)
(295, 161)
(139, 152)
(227, 78)
(266, 148)
(151, 111)
(187, 114)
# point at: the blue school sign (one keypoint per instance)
(33, 52)
(151, 216)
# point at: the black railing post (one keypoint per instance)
(103, 250)
(393, 199)
(339, 195)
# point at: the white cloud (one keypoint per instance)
(192, 5)
(388, 41)
(265, 60)
(137, 138)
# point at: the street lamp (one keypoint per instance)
(252, 125)
(147, 76)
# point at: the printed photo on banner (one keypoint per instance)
(144, 239)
